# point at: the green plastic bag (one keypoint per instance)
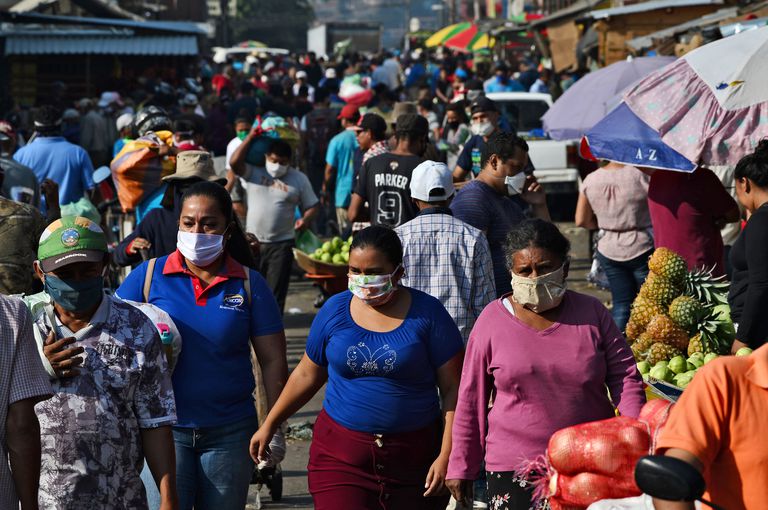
(307, 241)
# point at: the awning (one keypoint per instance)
(650, 6)
(60, 44)
(647, 41)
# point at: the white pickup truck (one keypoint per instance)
(556, 162)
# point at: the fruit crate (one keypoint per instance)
(664, 389)
(315, 267)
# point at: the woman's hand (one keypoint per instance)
(435, 483)
(461, 490)
(737, 345)
(260, 443)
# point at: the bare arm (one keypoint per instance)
(585, 216)
(270, 351)
(330, 171)
(23, 440)
(305, 381)
(357, 210)
(237, 161)
(160, 453)
(691, 459)
(448, 377)
(459, 174)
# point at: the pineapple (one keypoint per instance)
(662, 352)
(641, 345)
(686, 312)
(708, 289)
(633, 330)
(643, 310)
(695, 345)
(714, 334)
(659, 290)
(663, 329)
(664, 262)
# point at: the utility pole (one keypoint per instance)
(224, 6)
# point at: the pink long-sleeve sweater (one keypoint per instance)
(543, 381)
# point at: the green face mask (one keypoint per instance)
(242, 134)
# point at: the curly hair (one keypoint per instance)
(536, 233)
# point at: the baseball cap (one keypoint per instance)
(374, 123)
(124, 121)
(431, 176)
(301, 75)
(194, 165)
(189, 100)
(349, 112)
(483, 104)
(107, 98)
(70, 240)
(412, 124)
(330, 73)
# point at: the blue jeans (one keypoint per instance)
(150, 487)
(213, 466)
(625, 279)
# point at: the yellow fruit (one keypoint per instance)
(633, 330)
(663, 329)
(664, 262)
(662, 352)
(659, 290)
(643, 310)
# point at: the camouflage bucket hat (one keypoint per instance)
(69, 240)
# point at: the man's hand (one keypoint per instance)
(62, 358)
(533, 192)
(737, 344)
(300, 224)
(50, 190)
(461, 490)
(137, 244)
(253, 244)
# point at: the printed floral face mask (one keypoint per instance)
(373, 290)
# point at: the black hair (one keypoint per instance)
(303, 91)
(237, 246)
(48, 119)
(184, 126)
(382, 239)
(426, 104)
(246, 87)
(504, 145)
(281, 149)
(243, 120)
(459, 109)
(539, 234)
(755, 166)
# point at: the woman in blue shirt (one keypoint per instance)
(222, 308)
(384, 350)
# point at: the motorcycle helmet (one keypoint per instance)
(150, 119)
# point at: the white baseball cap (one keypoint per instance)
(429, 176)
(124, 121)
(330, 73)
(301, 75)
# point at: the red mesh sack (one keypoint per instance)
(655, 413)
(608, 447)
(582, 490)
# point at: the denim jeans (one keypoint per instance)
(625, 279)
(150, 487)
(213, 465)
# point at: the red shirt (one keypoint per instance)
(684, 211)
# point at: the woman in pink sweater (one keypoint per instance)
(546, 355)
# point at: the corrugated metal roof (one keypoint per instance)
(100, 45)
(185, 27)
(650, 6)
(647, 41)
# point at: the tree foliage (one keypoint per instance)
(278, 23)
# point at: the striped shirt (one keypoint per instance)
(22, 377)
(449, 260)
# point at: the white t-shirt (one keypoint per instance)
(272, 202)
(231, 148)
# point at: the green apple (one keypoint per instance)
(678, 365)
(318, 252)
(682, 380)
(643, 367)
(345, 257)
(744, 351)
(709, 357)
(327, 247)
(662, 373)
(696, 361)
(337, 259)
(326, 257)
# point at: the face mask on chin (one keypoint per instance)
(542, 293)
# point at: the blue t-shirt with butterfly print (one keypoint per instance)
(383, 383)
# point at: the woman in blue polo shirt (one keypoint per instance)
(203, 286)
(379, 442)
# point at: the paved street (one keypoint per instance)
(300, 298)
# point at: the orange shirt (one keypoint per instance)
(721, 418)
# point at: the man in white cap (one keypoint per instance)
(301, 79)
(124, 125)
(443, 256)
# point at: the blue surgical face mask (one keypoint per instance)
(75, 295)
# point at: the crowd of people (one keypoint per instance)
(455, 353)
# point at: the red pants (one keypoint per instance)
(349, 470)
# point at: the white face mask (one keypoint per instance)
(276, 170)
(542, 293)
(482, 128)
(373, 290)
(515, 184)
(200, 249)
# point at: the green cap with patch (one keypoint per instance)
(69, 240)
